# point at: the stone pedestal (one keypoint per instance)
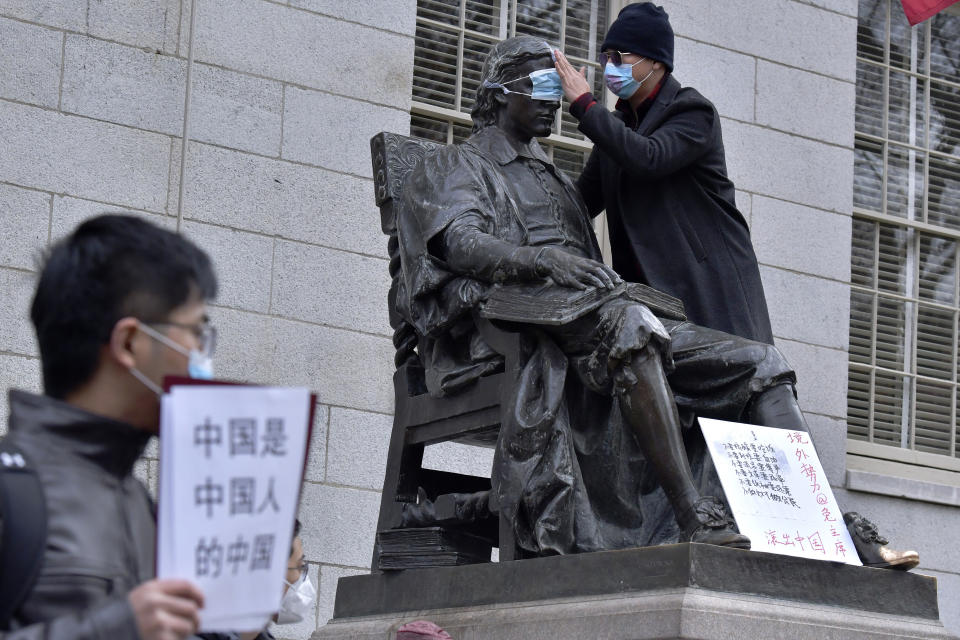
(687, 591)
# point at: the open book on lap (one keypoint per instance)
(550, 304)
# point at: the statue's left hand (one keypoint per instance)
(574, 82)
(569, 270)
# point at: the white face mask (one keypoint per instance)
(297, 601)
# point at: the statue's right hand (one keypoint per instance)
(569, 270)
(166, 609)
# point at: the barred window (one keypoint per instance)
(903, 383)
(453, 38)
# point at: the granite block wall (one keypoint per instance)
(277, 187)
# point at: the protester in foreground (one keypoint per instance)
(658, 168)
(120, 303)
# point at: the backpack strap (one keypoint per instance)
(23, 529)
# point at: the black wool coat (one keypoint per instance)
(670, 206)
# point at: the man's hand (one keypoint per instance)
(569, 270)
(166, 609)
(574, 82)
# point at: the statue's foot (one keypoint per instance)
(712, 524)
(872, 547)
(725, 537)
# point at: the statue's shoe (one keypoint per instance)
(725, 537)
(714, 525)
(872, 547)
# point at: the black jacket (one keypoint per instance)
(671, 212)
(100, 522)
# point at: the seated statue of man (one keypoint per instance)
(594, 425)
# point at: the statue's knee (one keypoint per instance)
(646, 363)
(772, 359)
(767, 367)
(642, 374)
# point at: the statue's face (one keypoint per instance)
(523, 115)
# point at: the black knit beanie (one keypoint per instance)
(642, 28)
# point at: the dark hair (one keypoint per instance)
(503, 58)
(296, 532)
(110, 267)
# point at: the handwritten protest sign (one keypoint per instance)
(231, 460)
(778, 491)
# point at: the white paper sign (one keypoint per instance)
(778, 491)
(231, 460)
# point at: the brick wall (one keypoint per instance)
(278, 189)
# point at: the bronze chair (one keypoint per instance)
(470, 417)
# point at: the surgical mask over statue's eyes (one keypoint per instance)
(619, 79)
(199, 362)
(297, 601)
(546, 82)
(546, 85)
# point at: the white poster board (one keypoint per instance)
(778, 491)
(231, 461)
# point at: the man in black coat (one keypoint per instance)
(659, 170)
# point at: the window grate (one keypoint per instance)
(905, 252)
(452, 39)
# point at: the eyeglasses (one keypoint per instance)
(302, 568)
(616, 57)
(205, 333)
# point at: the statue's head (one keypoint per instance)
(509, 64)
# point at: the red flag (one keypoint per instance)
(919, 10)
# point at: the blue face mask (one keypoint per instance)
(619, 79)
(546, 82)
(199, 364)
(546, 85)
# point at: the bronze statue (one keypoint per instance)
(598, 420)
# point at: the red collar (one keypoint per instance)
(624, 105)
(656, 90)
(633, 117)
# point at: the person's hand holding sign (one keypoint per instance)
(166, 609)
(574, 82)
